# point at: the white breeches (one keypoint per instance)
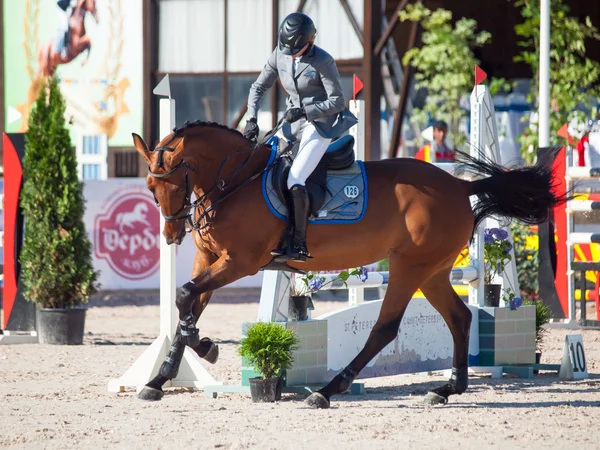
(312, 148)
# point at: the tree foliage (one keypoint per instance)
(574, 78)
(444, 64)
(56, 262)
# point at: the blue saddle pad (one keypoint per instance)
(345, 199)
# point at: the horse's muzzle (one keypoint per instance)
(177, 240)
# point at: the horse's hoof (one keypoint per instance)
(317, 401)
(435, 399)
(213, 354)
(149, 394)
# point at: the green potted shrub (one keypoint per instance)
(496, 253)
(56, 261)
(543, 314)
(268, 346)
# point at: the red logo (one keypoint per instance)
(128, 236)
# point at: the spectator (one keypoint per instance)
(443, 153)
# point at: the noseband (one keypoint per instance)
(187, 203)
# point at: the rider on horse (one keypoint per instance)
(316, 112)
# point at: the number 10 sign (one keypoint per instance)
(573, 365)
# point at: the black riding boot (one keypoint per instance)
(300, 203)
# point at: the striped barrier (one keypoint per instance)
(572, 238)
(582, 206)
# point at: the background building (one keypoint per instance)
(213, 51)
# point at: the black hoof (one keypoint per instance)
(435, 399)
(317, 401)
(213, 354)
(149, 394)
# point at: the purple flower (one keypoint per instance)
(501, 234)
(508, 248)
(515, 303)
(315, 284)
(363, 274)
(488, 239)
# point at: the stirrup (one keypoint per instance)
(299, 254)
(278, 252)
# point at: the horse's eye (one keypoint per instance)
(156, 201)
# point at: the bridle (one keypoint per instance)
(207, 212)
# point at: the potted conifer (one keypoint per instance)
(268, 347)
(56, 262)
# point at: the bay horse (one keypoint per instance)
(418, 216)
(76, 38)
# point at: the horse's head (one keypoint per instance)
(90, 6)
(169, 182)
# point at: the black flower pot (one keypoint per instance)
(298, 309)
(538, 358)
(61, 326)
(491, 294)
(265, 391)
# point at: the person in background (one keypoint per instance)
(443, 153)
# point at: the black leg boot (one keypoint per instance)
(300, 204)
(282, 247)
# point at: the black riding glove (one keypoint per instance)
(251, 129)
(293, 114)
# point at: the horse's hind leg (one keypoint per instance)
(403, 282)
(439, 292)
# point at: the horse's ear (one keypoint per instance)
(141, 147)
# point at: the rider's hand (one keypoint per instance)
(251, 129)
(293, 114)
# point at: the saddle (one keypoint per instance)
(339, 156)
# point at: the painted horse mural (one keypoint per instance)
(71, 40)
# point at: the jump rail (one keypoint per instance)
(378, 279)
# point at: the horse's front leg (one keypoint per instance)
(191, 300)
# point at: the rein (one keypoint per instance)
(208, 212)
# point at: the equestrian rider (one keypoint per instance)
(315, 114)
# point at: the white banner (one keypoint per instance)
(123, 224)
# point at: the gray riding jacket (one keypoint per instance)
(315, 86)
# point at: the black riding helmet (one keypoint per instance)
(295, 32)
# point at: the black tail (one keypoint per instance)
(526, 193)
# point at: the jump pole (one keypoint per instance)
(192, 373)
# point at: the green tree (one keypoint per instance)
(574, 79)
(444, 64)
(56, 259)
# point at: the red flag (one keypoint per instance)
(480, 75)
(564, 133)
(357, 85)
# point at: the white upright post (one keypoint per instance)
(192, 373)
(274, 296)
(357, 107)
(484, 139)
(476, 294)
(168, 272)
(544, 74)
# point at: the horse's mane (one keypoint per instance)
(187, 125)
(198, 123)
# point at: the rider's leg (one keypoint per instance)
(312, 148)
